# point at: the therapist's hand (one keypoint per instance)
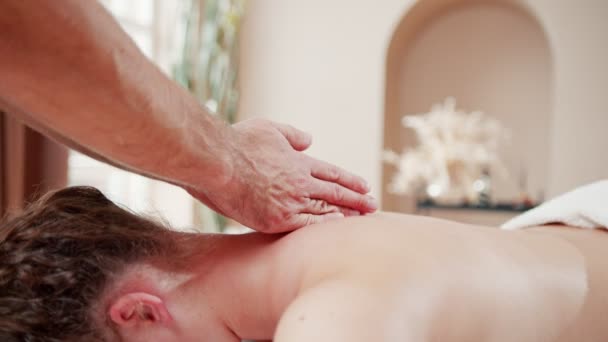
(276, 188)
(123, 110)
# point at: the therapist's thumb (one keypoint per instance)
(299, 140)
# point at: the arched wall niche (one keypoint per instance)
(492, 56)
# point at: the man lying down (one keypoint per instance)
(75, 267)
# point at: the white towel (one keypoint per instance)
(584, 207)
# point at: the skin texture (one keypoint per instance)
(383, 277)
(69, 71)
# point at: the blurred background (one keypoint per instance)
(464, 109)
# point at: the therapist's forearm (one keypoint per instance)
(67, 69)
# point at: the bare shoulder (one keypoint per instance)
(335, 311)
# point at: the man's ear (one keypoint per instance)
(139, 309)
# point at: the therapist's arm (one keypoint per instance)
(68, 70)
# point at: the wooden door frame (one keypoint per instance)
(30, 164)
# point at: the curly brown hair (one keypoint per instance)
(60, 254)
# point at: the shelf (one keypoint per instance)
(500, 207)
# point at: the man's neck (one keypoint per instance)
(243, 280)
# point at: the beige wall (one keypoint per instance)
(320, 65)
(578, 32)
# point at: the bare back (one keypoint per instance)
(390, 277)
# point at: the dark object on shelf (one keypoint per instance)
(507, 207)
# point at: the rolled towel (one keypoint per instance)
(584, 207)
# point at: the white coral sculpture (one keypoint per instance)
(454, 150)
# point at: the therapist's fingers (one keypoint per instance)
(298, 139)
(349, 212)
(320, 207)
(335, 194)
(331, 173)
(308, 219)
